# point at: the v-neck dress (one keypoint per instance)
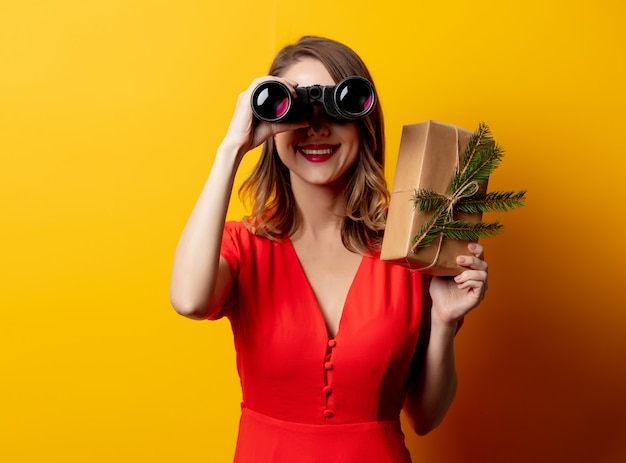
(307, 396)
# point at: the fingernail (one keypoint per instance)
(472, 247)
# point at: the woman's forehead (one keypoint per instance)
(307, 72)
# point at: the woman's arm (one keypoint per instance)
(432, 389)
(200, 278)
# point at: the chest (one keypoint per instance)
(284, 299)
(330, 273)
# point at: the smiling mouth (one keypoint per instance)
(314, 151)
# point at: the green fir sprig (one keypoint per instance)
(482, 156)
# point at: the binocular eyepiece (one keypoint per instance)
(352, 98)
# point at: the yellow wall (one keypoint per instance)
(110, 111)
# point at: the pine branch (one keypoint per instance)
(475, 142)
(481, 157)
(427, 234)
(495, 201)
(424, 240)
(459, 230)
(427, 200)
(486, 160)
(491, 159)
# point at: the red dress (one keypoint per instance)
(308, 397)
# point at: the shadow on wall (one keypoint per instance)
(540, 379)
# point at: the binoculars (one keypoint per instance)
(352, 98)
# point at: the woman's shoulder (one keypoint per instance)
(235, 226)
(237, 231)
(250, 229)
(243, 232)
(237, 243)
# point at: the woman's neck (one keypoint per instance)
(321, 208)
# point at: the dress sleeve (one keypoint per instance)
(231, 251)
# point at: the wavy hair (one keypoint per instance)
(268, 191)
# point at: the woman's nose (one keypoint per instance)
(318, 121)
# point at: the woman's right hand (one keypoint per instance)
(245, 132)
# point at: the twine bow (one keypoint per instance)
(467, 191)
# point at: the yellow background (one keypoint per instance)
(110, 112)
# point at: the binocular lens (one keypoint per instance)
(354, 97)
(271, 101)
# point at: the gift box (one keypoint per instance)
(430, 154)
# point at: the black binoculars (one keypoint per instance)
(352, 98)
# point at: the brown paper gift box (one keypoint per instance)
(428, 157)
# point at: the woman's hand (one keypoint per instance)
(453, 298)
(245, 132)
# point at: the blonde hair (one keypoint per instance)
(268, 191)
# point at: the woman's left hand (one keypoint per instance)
(453, 298)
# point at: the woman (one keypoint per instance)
(331, 342)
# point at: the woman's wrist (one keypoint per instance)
(443, 325)
(230, 149)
